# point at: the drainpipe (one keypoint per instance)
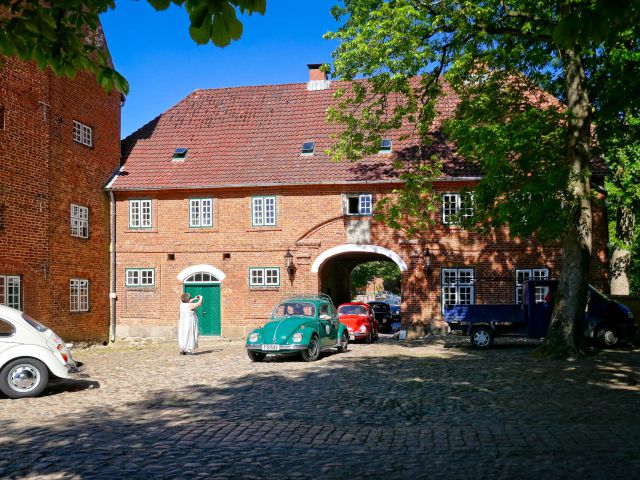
(112, 269)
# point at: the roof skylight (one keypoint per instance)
(307, 148)
(180, 153)
(385, 145)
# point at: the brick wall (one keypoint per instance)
(43, 172)
(310, 221)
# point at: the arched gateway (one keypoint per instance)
(334, 267)
(205, 280)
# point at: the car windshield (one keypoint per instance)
(352, 310)
(379, 307)
(34, 323)
(303, 309)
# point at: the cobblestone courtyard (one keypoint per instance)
(424, 409)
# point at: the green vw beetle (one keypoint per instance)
(307, 324)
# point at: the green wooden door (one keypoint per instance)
(209, 311)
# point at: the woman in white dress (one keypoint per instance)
(188, 326)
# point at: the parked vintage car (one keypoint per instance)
(606, 321)
(382, 312)
(394, 305)
(305, 324)
(360, 321)
(30, 355)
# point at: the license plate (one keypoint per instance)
(272, 348)
(352, 337)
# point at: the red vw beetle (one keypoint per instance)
(359, 319)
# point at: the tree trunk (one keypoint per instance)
(565, 336)
(621, 254)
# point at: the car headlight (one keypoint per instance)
(253, 337)
(297, 337)
(363, 328)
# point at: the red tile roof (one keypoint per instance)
(253, 136)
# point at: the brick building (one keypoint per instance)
(59, 145)
(218, 191)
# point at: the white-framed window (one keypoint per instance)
(140, 277)
(82, 134)
(264, 277)
(263, 211)
(79, 295)
(524, 274)
(140, 214)
(79, 221)
(456, 205)
(458, 286)
(10, 291)
(200, 212)
(359, 204)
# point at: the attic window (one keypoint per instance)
(385, 145)
(180, 153)
(307, 148)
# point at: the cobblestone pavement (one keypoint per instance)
(433, 408)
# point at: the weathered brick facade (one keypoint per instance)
(43, 172)
(310, 221)
(233, 145)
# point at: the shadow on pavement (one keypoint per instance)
(482, 415)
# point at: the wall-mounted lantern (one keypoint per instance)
(288, 261)
(427, 262)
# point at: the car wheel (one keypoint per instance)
(344, 343)
(312, 353)
(607, 337)
(256, 356)
(24, 377)
(482, 337)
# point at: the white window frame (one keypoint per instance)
(79, 295)
(200, 212)
(82, 134)
(79, 221)
(139, 277)
(264, 277)
(524, 274)
(264, 211)
(365, 204)
(455, 203)
(458, 286)
(10, 286)
(140, 213)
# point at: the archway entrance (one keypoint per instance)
(204, 280)
(334, 267)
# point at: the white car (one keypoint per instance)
(31, 354)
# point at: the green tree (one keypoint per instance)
(62, 34)
(366, 272)
(500, 56)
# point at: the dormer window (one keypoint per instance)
(385, 145)
(307, 148)
(180, 153)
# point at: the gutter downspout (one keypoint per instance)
(112, 269)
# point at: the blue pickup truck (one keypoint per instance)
(607, 322)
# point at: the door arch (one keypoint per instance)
(205, 280)
(354, 248)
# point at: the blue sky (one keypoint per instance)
(154, 52)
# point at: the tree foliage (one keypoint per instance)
(364, 273)
(500, 57)
(63, 35)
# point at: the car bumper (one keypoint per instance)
(358, 335)
(257, 347)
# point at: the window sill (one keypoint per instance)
(259, 288)
(140, 289)
(142, 230)
(264, 229)
(202, 230)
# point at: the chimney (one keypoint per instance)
(317, 78)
